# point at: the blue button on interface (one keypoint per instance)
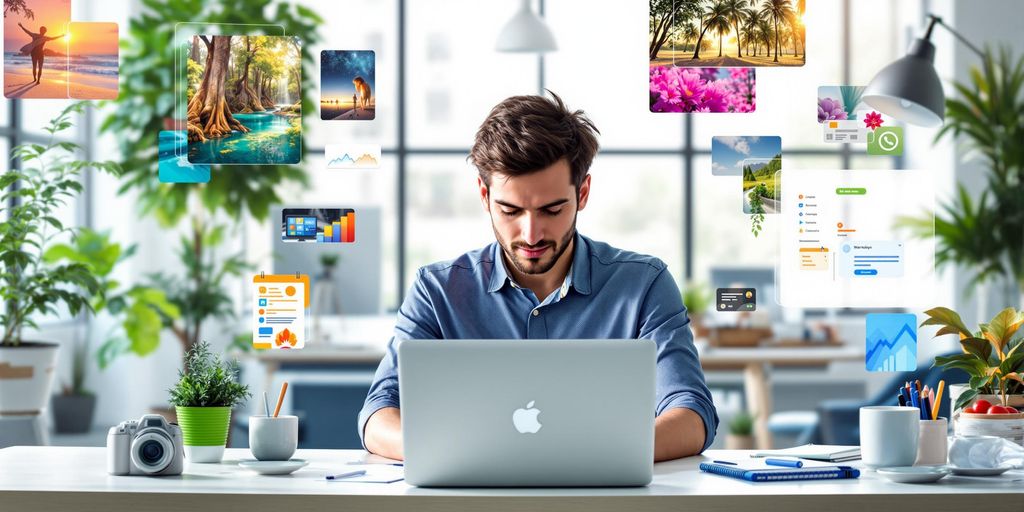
(865, 272)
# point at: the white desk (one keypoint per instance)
(40, 479)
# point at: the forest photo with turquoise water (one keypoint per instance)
(244, 103)
(727, 33)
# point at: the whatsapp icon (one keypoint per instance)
(886, 141)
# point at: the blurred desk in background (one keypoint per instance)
(752, 361)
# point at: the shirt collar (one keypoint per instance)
(578, 276)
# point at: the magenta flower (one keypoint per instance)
(873, 120)
(830, 109)
(698, 90)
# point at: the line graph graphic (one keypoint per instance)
(891, 342)
(352, 156)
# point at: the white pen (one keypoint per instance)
(346, 475)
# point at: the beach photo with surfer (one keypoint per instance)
(347, 85)
(36, 48)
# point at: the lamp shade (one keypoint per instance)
(526, 32)
(909, 90)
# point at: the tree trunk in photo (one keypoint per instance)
(246, 100)
(265, 95)
(696, 48)
(720, 43)
(209, 116)
(661, 32)
(739, 46)
(776, 39)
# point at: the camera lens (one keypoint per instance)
(151, 452)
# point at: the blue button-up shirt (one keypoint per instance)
(607, 294)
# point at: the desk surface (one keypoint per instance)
(54, 478)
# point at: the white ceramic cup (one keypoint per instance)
(932, 444)
(889, 435)
(273, 438)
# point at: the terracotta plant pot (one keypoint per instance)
(26, 377)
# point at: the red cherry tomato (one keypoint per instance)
(981, 406)
(997, 409)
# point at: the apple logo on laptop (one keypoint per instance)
(525, 420)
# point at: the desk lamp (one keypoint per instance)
(909, 90)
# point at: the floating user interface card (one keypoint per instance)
(843, 242)
(890, 342)
(736, 299)
(279, 311)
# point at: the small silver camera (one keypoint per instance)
(150, 447)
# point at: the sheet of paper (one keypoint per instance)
(279, 311)
(375, 474)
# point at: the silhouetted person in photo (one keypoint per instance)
(36, 49)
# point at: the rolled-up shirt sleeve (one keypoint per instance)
(680, 379)
(416, 320)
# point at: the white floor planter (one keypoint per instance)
(26, 377)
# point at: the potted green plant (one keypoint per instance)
(697, 298)
(741, 432)
(138, 310)
(983, 234)
(206, 391)
(31, 194)
(991, 356)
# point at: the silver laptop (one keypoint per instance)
(527, 413)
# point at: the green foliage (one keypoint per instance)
(742, 424)
(138, 308)
(990, 355)
(30, 198)
(201, 294)
(207, 381)
(697, 297)
(986, 234)
(148, 99)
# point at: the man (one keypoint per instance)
(36, 49)
(541, 279)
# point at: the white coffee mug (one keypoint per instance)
(889, 435)
(273, 438)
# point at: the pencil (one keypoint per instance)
(938, 397)
(280, 398)
(917, 383)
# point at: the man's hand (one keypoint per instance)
(678, 432)
(383, 433)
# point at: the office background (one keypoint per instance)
(437, 76)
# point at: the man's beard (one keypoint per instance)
(533, 266)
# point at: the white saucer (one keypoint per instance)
(979, 471)
(273, 467)
(914, 474)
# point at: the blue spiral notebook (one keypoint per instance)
(757, 471)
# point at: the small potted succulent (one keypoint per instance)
(741, 432)
(990, 403)
(697, 298)
(206, 391)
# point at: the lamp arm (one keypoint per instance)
(937, 20)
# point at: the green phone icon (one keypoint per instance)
(886, 141)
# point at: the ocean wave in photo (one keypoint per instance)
(101, 65)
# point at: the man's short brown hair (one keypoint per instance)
(525, 134)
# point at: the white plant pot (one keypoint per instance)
(204, 454)
(26, 377)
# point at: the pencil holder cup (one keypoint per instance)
(932, 444)
(273, 438)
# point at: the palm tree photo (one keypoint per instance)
(762, 32)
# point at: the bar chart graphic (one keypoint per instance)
(891, 342)
(318, 225)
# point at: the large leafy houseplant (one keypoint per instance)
(986, 233)
(31, 196)
(206, 391)
(991, 355)
(145, 106)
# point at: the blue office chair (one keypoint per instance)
(839, 420)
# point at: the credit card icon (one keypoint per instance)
(736, 299)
